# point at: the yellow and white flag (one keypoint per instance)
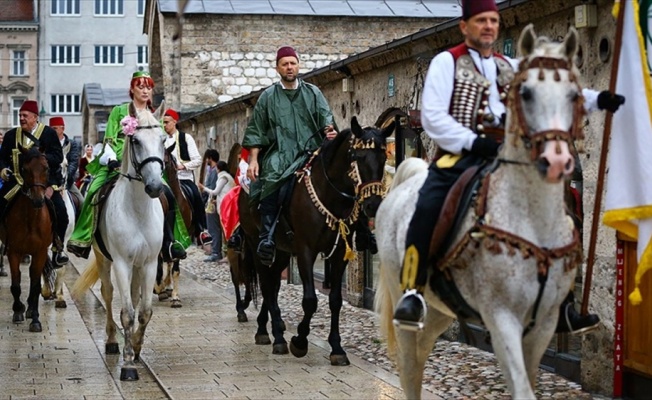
(628, 199)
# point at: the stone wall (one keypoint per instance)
(226, 56)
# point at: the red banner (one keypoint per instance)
(620, 319)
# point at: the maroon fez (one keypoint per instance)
(475, 7)
(57, 121)
(30, 105)
(286, 51)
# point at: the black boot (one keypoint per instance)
(266, 247)
(570, 321)
(81, 252)
(410, 311)
(59, 256)
(172, 250)
(235, 241)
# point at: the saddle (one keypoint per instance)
(98, 202)
(458, 201)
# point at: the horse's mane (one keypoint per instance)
(30, 154)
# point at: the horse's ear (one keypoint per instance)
(158, 114)
(571, 43)
(171, 148)
(527, 40)
(388, 130)
(355, 127)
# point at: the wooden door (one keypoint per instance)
(638, 321)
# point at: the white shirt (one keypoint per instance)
(223, 185)
(438, 90)
(195, 157)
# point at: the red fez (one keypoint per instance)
(56, 121)
(30, 105)
(173, 114)
(475, 7)
(286, 51)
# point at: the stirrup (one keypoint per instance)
(410, 325)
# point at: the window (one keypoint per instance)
(109, 55)
(141, 8)
(143, 56)
(65, 7)
(16, 103)
(18, 67)
(65, 55)
(65, 104)
(109, 7)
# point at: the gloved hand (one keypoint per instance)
(5, 174)
(113, 164)
(610, 101)
(485, 147)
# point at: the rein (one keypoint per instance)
(138, 166)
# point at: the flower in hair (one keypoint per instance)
(129, 125)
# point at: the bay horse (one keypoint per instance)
(31, 232)
(514, 255)
(168, 273)
(343, 179)
(131, 228)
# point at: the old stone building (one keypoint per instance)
(390, 76)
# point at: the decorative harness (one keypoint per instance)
(138, 166)
(481, 233)
(362, 191)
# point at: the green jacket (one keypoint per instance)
(285, 124)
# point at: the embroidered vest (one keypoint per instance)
(183, 147)
(471, 88)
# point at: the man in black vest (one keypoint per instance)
(26, 135)
(188, 159)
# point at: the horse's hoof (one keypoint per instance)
(128, 374)
(18, 318)
(281, 348)
(35, 327)
(262, 339)
(176, 303)
(339, 360)
(242, 317)
(60, 304)
(168, 291)
(112, 348)
(163, 296)
(299, 348)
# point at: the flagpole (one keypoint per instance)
(603, 162)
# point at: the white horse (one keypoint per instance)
(515, 265)
(131, 227)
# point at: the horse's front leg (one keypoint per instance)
(338, 355)
(123, 277)
(111, 346)
(145, 308)
(18, 307)
(305, 262)
(60, 302)
(35, 272)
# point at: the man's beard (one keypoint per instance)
(288, 80)
(478, 44)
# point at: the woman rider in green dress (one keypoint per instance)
(106, 166)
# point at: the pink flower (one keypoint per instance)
(129, 125)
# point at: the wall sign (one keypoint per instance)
(390, 85)
(508, 47)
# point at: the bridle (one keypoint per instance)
(138, 166)
(534, 140)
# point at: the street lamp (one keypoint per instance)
(42, 113)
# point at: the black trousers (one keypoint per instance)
(429, 204)
(197, 204)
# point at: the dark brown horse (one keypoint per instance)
(342, 180)
(167, 275)
(31, 232)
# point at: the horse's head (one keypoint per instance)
(34, 172)
(545, 105)
(146, 151)
(369, 154)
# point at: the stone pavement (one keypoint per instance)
(200, 351)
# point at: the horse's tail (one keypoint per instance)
(411, 166)
(87, 278)
(384, 307)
